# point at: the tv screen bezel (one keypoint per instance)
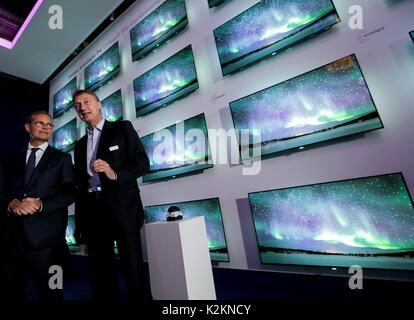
(183, 170)
(110, 76)
(215, 3)
(68, 106)
(162, 39)
(264, 56)
(71, 146)
(122, 103)
(324, 183)
(171, 98)
(196, 200)
(303, 147)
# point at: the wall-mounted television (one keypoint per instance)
(269, 27)
(326, 103)
(169, 81)
(366, 221)
(215, 3)
(180, 149)
(103, 69)
(210, 209)
(70, 230)
(65, 137)
(158, 27)
(112, 106)
(62, 100)
(412, 35)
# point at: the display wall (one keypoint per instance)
(385, 53)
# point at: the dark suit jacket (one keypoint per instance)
(129, 160)
(52, 182)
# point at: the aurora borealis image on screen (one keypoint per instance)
(112, 106)
(170, 80)
(62, 100)
(210, 209)
(103, 69)
(70, 229)
(158, 26)
(368, 220)
(327, 103)
(65, 137)
(270, 26)
(175, 150)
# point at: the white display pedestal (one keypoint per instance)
(179, 260)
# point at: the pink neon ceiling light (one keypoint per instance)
(10, 44)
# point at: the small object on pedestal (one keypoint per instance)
(174, 214)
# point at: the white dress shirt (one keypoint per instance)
(39, 153)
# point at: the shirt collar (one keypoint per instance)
(42, 147)
(99, 127)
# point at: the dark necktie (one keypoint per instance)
(30, 166)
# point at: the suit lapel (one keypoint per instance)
(106, 127)
(41, 166)
(81, 159)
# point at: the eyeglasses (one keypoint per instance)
(41, 124)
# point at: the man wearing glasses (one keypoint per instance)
(36, 188)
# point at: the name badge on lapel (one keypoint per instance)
(113, 148)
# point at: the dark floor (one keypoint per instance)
(234, 284)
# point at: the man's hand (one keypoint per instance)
(29, 206)
(103, 166)
(14, 206)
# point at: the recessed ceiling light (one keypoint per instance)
(16, 29)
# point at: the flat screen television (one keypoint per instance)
(180, 149)
(215, 3)
(169, 81)
(103, 69)
(62, 100)
(367, 222)
(65, 137)
(70, 230)
(326, 103)
(210, 209)
(112, 107)
(158, 27)
(268, 27)
(412, 35)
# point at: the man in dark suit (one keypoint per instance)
(36, 187)
(108, 161)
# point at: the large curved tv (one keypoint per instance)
(215, 3)
(65, 137)
(158, 27)
(111, 107)
(323, 104)
(180, 149)
(62, 100)
(367, 222)
(169, 81)
(210, 209)
(269, 27)
(103, 69)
